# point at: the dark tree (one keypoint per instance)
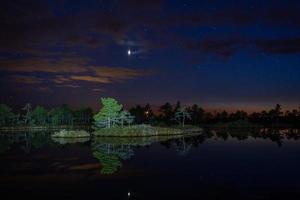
(197, 114)
(167, 113)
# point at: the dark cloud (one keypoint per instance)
(224, 48)
(286, 15)
(279, 46)
(136, 6)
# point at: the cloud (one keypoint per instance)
(69, 86)
(83, 41)
(43, 89)
(70, 72)
(27, 79)
(227, 47)
(107, 75)
(53, 65)
(59, 79)
(279, 46)
(97, 89)
(119, 73)
(95, 79)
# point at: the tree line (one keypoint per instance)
(61, 115)
(168, 114)
(171, 114)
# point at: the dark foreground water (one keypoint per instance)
(215, 165)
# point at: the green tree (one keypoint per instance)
(109, 112)
(61, 115)
(56, 116)
(39, 115)
(5, 115)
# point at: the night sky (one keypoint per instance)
(219, 54)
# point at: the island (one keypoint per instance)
(113, 120)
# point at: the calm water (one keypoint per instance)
(216, 165)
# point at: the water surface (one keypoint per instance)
(215, 165)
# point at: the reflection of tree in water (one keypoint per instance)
(222, 134)
(183, 148)
(274, 134)
(31, 141)
(111, 151)
(5, 145)
(25, 140)
(110, 162)
(110, 156)
(183, 145)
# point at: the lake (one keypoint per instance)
(213, 165)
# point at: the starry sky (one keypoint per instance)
(219, 54)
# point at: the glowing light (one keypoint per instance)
(128, 194)
(129, 52)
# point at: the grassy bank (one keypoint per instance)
(143, 131)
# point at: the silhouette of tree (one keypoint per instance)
(83, 116)
(177, 107)
(222, 117)
(274, 114)
(149, 115)
(238, 115)
(167, 113)
(139, 113)
(197, 114)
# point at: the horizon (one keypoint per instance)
(155, 107)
